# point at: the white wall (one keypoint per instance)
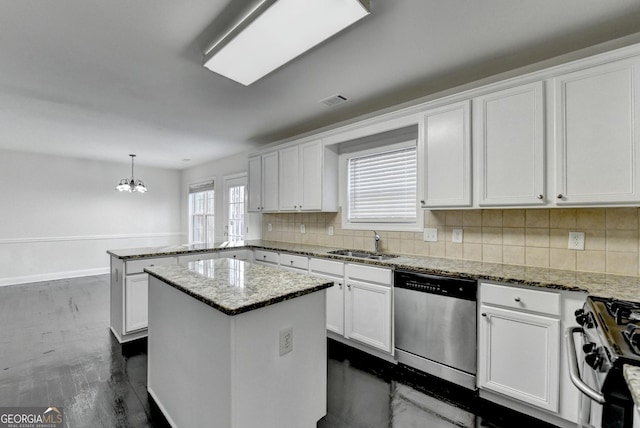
(217, 170)
(59, 215)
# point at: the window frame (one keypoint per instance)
(387, 225)
(240, 179)
(206, 214)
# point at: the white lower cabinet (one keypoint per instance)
(519, 344)
(129, 294)
(136, 310)
(368, 303)
(333, 271)
(263, 257)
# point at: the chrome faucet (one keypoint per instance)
(376, 240)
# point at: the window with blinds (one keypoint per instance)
(382, 187)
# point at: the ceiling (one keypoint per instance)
(101, 79)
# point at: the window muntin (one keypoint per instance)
(201, 213)
(235, 214)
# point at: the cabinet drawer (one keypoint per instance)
(262, 256)
(233, 254)
(137, 266)
(298, 262)
(183, 260)
(326, 267)
(369, 274)
(521, 298)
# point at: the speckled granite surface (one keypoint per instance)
(597, 284)
(233, 286)
(632, 376)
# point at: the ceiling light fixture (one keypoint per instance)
(270, 33)
(131, 184)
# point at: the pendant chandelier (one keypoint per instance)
(131, 184)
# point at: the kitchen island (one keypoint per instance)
(238, 345)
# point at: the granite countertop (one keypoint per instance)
(234, 286)
(632, 376)
(597, 284)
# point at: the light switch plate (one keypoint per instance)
(456, 236)
(430, 234)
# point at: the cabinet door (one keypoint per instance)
(255, 184)
(136, 310)
(335, 303)
(368, 314)
(447, 151)
(509, 134)
(519, 356)
(597, 153)
(288, 179)
(270, 182)
(311, 182)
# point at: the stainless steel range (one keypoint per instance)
(610, 332)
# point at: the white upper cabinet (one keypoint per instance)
(447, 156)
(270, 181)
(255, 184)
(509, 137)
(288, 173)
(263, 182)
(312, 185)
(596, 126)
(308, 177)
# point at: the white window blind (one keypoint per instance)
(382, 187)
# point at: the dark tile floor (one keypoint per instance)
(56, 350)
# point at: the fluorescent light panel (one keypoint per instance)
(285, 30)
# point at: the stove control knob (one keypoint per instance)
(594, 359)
(589, 347)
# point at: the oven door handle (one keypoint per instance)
(574, 370)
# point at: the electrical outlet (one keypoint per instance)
(576, 240)
(303, 229)
(286, 341)
(456, 236)
(330, 230)
(430, 235)
(270, 227)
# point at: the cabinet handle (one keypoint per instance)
(540, 197)
(234, 256)
(340, 285)
(349, 287)
(291, 261)
(484, 314)
(152, 265)
(517, 299)
(422, 202)
(560, 196)
(295, 206)
(264, 257)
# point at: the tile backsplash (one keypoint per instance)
(532, 237)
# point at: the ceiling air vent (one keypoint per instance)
(333, 100)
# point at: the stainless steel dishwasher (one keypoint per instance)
(435, 325)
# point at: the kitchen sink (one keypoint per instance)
(363, 255)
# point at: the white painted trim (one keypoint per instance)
(53, 276)
(87, 237)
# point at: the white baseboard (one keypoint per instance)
(52, 276)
